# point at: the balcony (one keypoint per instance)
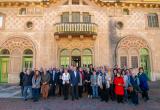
(76, 29)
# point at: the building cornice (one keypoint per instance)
(102, 3)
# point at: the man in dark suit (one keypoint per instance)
(75, 79)
(53, 81)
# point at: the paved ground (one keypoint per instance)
(10, 100)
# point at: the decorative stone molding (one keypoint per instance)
(136, 42)
(102, 3)
(17, 45)
(65, 43)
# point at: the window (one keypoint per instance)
(65, 17)
(23, 11)
(28, 52)
(75, 2)
(29, 25)
(5, 52)
(66, 3)
(153, 20)
(64, 58)
(134, 61)
(126, 11)
(1, 21)
(86, 17)
(123, 61)
(76, 17)
(87, 57)
(84, 3)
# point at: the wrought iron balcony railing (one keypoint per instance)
(76, 28)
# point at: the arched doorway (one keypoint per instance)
(4, 65)
(134, 52)
(76, 58)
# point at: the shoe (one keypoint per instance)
(102, 100)
(106, 101)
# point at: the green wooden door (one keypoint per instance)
(145, 62)
(28, 62)
(4, 63)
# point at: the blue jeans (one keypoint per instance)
(95, 91)
(35, 94)
(25, 92)
(22, 89)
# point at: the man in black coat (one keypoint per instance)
(21, 75)
(53, 81)
(27, 83)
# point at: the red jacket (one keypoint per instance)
(119, 89)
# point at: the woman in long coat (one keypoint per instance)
(119, 87)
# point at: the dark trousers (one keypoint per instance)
(52, 89)
(89, 88)
(134, 97)
(145, 95)
(80, 91)
(74, 92)
(120, 98)
(104, 93)
(35, 93)
(66, 91)
(112, 93)
(60, 89)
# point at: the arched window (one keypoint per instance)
(64, 58)
(134, 58)
(153, 20)
(5, 52)
(123, 57)
(28, 52)
(87, 57)
(2, 21)
(28, 59)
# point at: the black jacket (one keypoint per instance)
(27, 80)
(21, 78)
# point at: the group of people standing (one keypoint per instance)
(123, 85)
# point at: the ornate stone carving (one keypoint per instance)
(75, 43)
(132, 42)
(17, 44)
